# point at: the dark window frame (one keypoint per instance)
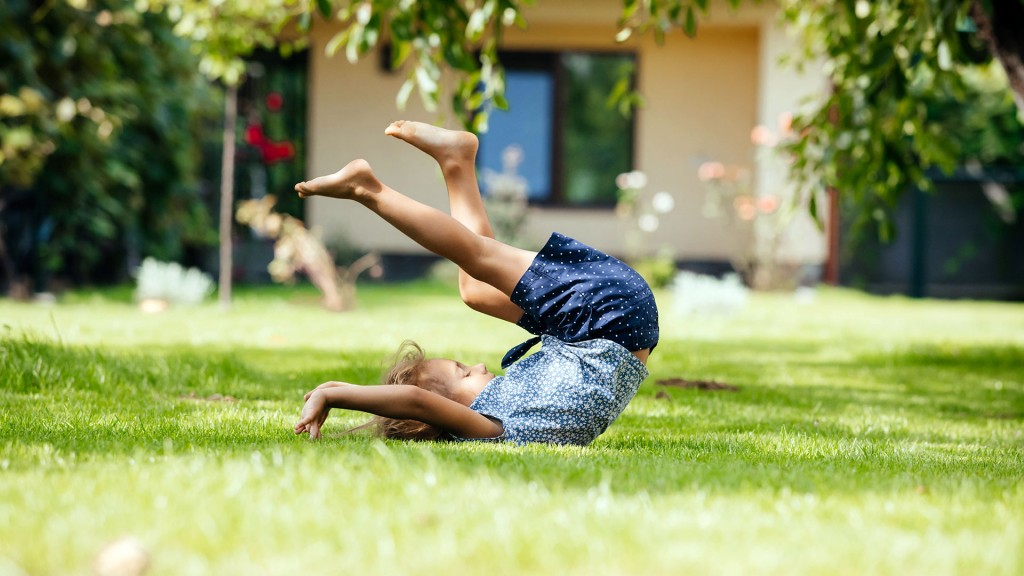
(551, 61)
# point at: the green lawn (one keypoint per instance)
(868, 436)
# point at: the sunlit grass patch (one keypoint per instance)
(864, 435)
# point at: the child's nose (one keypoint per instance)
(479, 369)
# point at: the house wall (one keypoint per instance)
(784, 90)
(702, 103)
(704, 96)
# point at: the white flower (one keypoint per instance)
(634, 180)
(647, 222)
(363, 13)
(663, 202)
(862, 9)
(66, 109)
(637, 180)
(622, 181)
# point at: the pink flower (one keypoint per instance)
(767, 204)
(762, 136)
(710, 171)
(745, 208)
(785, 123)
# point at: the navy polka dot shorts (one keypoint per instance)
(574, 293)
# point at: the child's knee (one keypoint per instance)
(472, 295)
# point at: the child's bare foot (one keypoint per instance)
(451, 148)
(351, 182)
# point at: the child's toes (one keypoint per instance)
(395, 128)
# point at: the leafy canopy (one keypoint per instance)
(98, 120)
(894, 65)
(223, 33)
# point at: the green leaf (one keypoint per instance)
(400, 52)
(325, 7)
(675, 10)
(690, 28)
(618, 92)
(499, 101)
(403, 93)
(475, 26)
(336, 42)
(479, 124)
(475, 101)
(629, 10)
(355, 37)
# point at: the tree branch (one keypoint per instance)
(1001, 32)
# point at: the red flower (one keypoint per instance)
(254, 135)
(274, 101)
(270, 151)
(277, 151)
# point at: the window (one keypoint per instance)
(573, 145)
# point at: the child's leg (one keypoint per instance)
(483, 258)
(455, 153)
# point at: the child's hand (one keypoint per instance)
(316, 409)
(314, 413)
(324, 386)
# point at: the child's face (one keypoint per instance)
(463, 383)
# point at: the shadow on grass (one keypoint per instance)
(36, 367)
(951, 383)
(81, 401)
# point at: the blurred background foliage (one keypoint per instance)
(102, 112)
(104, 103)
(985, 121)
(975, 129)
(914, 87)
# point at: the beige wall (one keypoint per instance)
(349, 107)
(784, 90)
(702, 103)
(704, 96)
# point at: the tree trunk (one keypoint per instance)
(347, 277)
(227, 196)
(1002, 33)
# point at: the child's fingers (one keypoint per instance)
(305, 420)
(314, 431)
(320, 387)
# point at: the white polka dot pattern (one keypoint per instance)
(592, 310)
(565, 393)
(575, 292)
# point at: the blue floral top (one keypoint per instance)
(562, 394)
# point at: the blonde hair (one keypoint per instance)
(407, 369)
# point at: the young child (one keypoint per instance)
(595, 317)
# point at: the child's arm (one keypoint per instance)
(394, 401)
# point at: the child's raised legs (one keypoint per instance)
(455, 153)
(482, 257)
